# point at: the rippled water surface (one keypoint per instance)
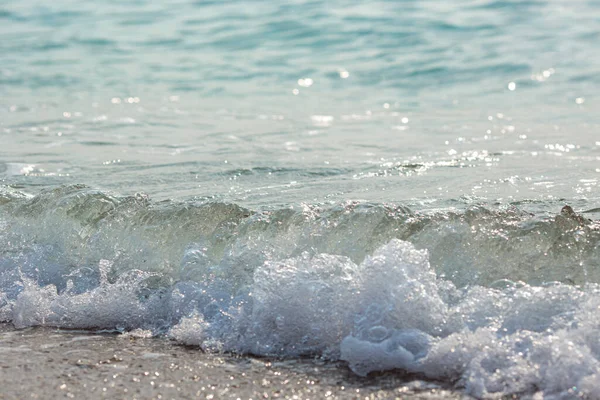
(267, 103)
(378, 182)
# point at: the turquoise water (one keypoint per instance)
(381, 183)
(196, 99)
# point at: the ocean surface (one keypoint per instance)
(382, 182)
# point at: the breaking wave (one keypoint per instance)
(497, 301)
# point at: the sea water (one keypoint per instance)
(382, 183)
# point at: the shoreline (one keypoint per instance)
(45, 363)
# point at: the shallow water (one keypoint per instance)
(396, 101)
(377, 183)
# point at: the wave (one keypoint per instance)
(497, 301)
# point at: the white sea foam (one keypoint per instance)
(389, 312)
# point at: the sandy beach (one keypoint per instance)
(45, 363)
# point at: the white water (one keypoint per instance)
(390, 311)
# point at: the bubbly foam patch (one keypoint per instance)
(389, 312)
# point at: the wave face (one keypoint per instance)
(495, 301)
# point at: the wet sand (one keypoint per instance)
(45, 363)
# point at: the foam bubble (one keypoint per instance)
(190, 330)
